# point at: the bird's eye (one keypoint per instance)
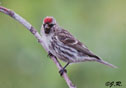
(51, 25)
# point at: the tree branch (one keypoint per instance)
(38, 37)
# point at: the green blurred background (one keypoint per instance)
(100, 24)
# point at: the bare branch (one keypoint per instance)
(38, 37)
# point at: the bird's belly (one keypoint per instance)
(64, 53)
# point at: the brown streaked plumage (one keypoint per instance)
(68, 40)
(65, 46)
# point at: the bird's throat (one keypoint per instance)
(47, 30)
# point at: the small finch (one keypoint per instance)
(61, 44)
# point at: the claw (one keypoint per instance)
(62, 71)
(50, 55)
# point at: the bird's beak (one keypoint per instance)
(47, 26)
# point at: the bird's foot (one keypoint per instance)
(50, 55)
(62, 71)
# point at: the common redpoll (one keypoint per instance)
(64, 46)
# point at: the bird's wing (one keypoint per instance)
(66, 38)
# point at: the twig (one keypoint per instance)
(38, 37)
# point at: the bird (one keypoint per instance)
(64, 46)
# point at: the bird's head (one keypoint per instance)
(48, 24)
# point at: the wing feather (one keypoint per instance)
(67, 39)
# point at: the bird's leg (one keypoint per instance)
(50, 55)
(63, 69)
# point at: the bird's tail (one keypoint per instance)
(106, 63)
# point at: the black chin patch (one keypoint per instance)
(47, 30)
